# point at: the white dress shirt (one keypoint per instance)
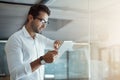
(21, 49)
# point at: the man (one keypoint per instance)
(25, 48)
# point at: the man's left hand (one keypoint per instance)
(57, 44)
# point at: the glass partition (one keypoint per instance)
(3, 62)
(72, 65)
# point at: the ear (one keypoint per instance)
(30, 18)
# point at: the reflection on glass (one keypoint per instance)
(106, 66)
(72, 65)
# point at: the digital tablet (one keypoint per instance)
(65, 46)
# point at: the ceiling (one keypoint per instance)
(77, 20)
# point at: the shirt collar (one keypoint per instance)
(26, 32)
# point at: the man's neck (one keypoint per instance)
(30, 31)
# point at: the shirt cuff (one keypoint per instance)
(28, 69)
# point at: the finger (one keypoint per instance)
(57, 44)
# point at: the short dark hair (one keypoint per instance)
(35, 9)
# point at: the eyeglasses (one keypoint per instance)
(43, 21)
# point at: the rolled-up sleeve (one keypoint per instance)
(17, 67)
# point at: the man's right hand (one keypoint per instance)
(49, 56)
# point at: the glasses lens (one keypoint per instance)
(43, 21)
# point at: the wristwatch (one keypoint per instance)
(42, 61)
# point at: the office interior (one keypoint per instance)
(92, 25)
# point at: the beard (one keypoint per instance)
(34, 28)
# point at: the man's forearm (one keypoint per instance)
(35, 64)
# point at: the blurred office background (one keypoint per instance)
(92, 24)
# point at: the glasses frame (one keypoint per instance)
(42, 20)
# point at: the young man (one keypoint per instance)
(25, 48)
